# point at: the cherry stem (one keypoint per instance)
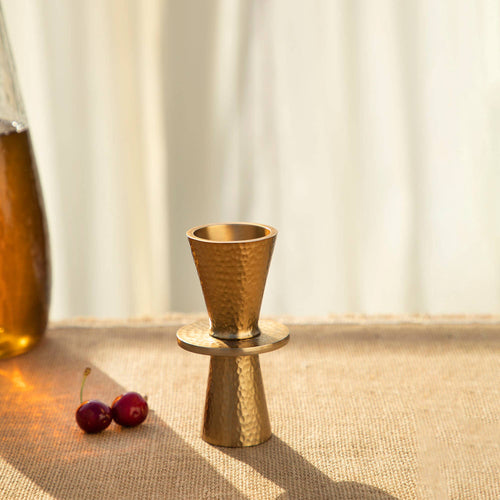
(86, 373)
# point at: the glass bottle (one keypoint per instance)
(24, 249)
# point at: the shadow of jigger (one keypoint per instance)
(232, 261)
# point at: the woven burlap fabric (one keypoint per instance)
(359, 411)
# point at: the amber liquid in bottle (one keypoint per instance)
(24, 253)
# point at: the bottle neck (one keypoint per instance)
(11, 103)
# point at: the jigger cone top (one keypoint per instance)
(232, 261)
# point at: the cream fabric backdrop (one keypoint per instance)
(367, 132)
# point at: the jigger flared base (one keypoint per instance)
(235, 408)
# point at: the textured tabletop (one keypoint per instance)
(405, 408)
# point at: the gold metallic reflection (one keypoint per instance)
(196, 338)
(231, 232)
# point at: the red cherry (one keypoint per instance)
(93, 416)
(129, 409)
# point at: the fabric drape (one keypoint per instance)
(366, 132)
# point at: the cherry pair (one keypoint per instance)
(128, 410)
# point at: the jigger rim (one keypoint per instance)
(271, 232)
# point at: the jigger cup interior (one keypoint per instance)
(232, 261)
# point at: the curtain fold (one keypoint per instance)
(91, 76)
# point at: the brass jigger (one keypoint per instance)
(232, 262)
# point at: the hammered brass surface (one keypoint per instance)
(232, 261)
(235, 407)
(196, 338)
